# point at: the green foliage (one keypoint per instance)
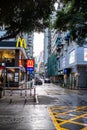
(24, 15)
(73, 16)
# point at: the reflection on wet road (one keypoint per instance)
(57, 109)
(70, 109)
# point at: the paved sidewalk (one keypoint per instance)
(18, 115)
(33, 115)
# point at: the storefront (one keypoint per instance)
(12, 64)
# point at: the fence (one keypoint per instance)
(27, 87)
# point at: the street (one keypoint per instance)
(55, 108)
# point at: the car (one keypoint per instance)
(47, 80)
(38, 81)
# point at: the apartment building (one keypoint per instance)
(68, 62)
(29, 37)
(72, 60)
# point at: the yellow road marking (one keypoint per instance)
(53, 113)
(55, 122)
(77, 117)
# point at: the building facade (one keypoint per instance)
(67, 61)
(72, 64)
(29, 37)
(12, 64)
(67, 64)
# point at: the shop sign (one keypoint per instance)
(30, 63)
(65, 71)
(85, 54)
(72, 57)
(21, 42)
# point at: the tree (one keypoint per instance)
(73, 17)
(24, 15)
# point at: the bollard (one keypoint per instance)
(10, 96)
(25, 96)
(31, 86)
(4, 92)
(34, 94)
(30, 92)
(21, 92)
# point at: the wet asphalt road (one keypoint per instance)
(35, 115)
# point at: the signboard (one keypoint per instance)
(30, 65)
(85, 54)
(72, 57)
(65, 71)
(21, 42)
(30, 69)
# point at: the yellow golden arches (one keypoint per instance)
(21, 42)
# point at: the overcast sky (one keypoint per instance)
(38, 43)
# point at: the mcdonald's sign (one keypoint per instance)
(21, 42)
(30, 63)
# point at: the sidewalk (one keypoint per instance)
(19, 115)
(30, 115)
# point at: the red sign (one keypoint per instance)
(30, 63)
(20, 63)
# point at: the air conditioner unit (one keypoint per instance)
(65, 49)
